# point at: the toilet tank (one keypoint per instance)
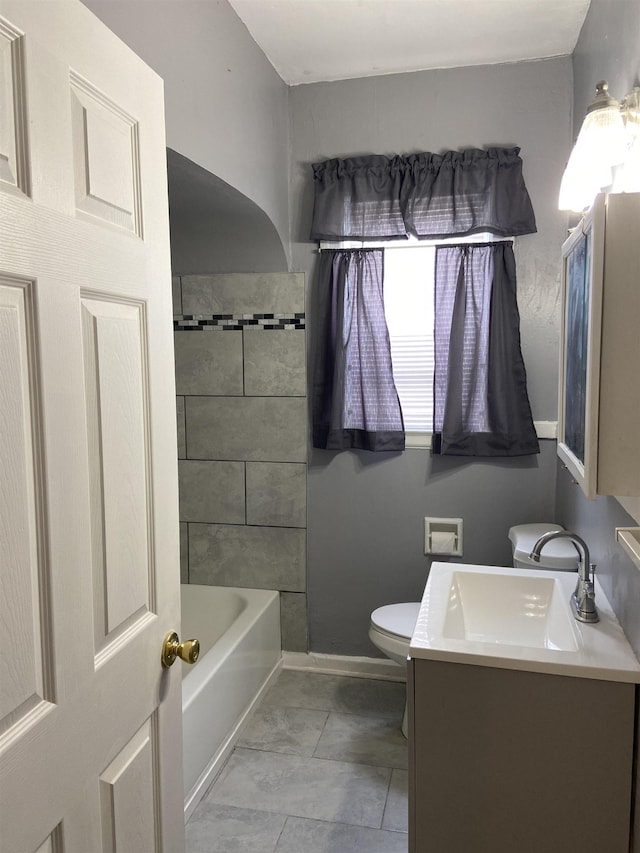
(558, 555)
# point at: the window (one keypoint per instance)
(408, 303)
(409, 284)
(481, 406)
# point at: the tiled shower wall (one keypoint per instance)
(242, 436)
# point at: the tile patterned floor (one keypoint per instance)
(320, 768)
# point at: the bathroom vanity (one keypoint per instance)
(521, 720)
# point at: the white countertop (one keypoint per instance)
(600, 651)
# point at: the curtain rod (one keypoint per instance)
(411, 243)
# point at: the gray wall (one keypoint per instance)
(608, 48)
(365, 528)
(214, 228)
(226, 108)
(365, 511)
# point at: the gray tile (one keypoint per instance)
(363, 740)
(364, 696)
(211, 491)
(303, 787)
(277, 494)
(176, 295)
(226, 829)
(274, 363)
(184, 553)
(182, 438)
(258, 557)
(243, 293)
(293, 621)
(396, 809)
(294, 731)
(267, 429)
(208, 362)
(315, 836)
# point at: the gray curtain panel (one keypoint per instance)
(481, 405)
(354, 399)
(427, 195)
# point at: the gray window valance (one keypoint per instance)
(426, 195)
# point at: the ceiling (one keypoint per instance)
(307, 41)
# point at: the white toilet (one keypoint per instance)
(392, 626)
(391, 630)
(559, 555)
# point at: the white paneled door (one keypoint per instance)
(90, 729)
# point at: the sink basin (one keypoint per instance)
(512, 610)
(514, 618)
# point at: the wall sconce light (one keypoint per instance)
(606, 153)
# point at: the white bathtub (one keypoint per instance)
(239, 633)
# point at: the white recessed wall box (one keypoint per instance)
(443, 536)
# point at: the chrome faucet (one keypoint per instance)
(583, 599)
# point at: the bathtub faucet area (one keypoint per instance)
(583, 599)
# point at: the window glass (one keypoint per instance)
(408, 301)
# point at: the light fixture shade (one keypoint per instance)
(601, 145)
(602, 136)
(583, 179)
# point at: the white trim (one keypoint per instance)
(423, 440)
(357, 667)
(630, 505)
(418, 439)
(629, 538)
(546, 429)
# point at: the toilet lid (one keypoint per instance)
(396, 619)
(557, 554)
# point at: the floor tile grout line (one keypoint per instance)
(313, 754)
(288, 815)
(265, 748)
(338, 823)
(386, 799)
(284, 823)
(388, 767)
(383, 717)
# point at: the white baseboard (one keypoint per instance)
(385, 670)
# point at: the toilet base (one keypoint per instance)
(398, 651)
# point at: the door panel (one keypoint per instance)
(14, 172)
(126, 793)
(106, 158)
(23, 603)
(90, 737)
(116, 384)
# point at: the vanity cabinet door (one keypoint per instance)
(504, 760)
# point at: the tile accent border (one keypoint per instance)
(237, 322)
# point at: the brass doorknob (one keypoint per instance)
(172, 648)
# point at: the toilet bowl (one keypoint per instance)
(392, 625)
